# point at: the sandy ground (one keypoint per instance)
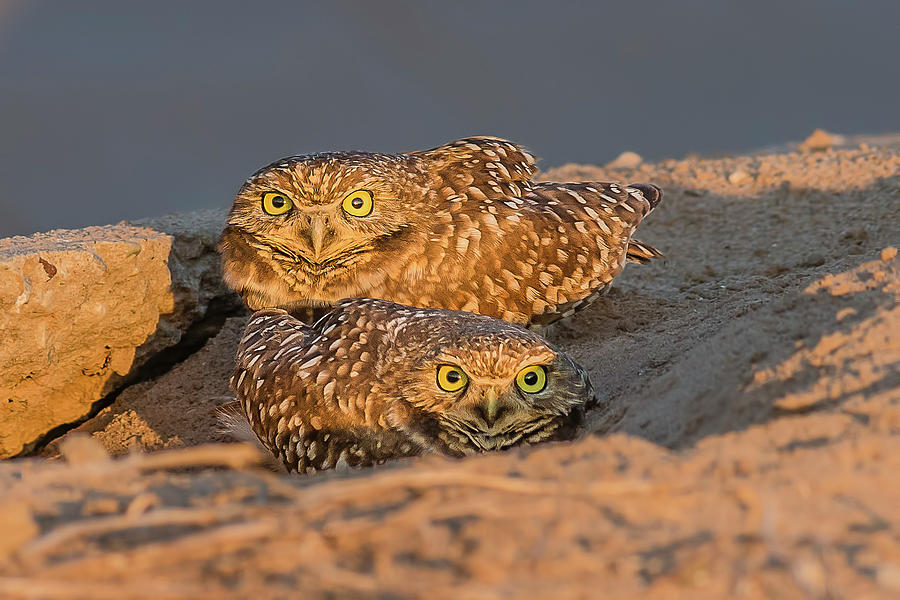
(681, 348)
(748, 445)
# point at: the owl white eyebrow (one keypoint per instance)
(292, 173)
(278, 191)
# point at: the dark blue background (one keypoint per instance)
(116, 109)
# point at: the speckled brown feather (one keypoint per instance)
(358, 387)
(461, 226)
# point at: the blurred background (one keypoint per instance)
(114, 110)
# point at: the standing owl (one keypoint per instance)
(461, 226)
(374, 380)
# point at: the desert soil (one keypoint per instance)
(748, 445)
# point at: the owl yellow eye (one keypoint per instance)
(358, 204)
(450, 378)
(532, 379)
(275, 203)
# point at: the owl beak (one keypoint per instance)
(491, 406)
(317, 230)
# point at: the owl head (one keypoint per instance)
(318, 223)
(471, 383)
(309, 230)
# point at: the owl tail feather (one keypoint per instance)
(640, 252)
(233, 424)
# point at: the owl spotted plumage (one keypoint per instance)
(373, 380)
(462, 226)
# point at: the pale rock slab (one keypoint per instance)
(81, 310)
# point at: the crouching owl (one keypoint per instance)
(374, 380)
(461, 226)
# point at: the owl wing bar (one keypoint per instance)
(640, 252)
(270, 334)
(487, 166)
(651, 193)
(577, 240)
(299, 404)
(607, 209)
(628, 204)
(271, 326)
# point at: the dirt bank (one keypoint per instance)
(748, 445)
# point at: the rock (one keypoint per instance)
(888, 253)
(195, 265)
(81, 448)
(81, 310)
(176, 409)
(626, 160)
(821, 140)
(738, 177)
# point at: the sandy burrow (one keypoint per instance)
(748, 443)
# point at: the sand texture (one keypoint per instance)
(748, 444)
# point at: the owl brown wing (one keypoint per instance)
(564, 243)
(268, 329)
(260, 378)
(304, 392)
(480, 167)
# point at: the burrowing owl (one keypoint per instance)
(374, 380)
(461, 226)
